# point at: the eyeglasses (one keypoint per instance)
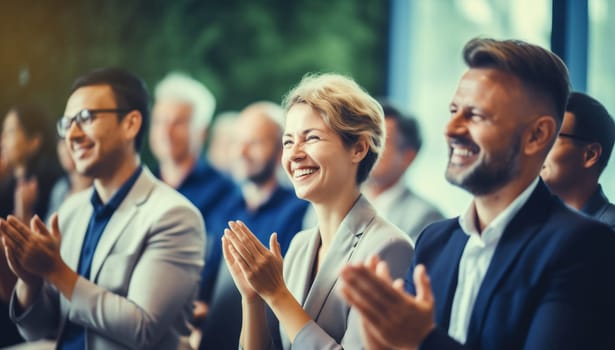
(83, 117)
(575, 137)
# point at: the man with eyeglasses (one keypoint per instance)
(118, 267)
(580, 155)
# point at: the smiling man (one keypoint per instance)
(118, 268)
(580, 155)
(518, 269)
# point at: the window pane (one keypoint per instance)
(601, 70)
(437, 32)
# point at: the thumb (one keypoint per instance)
(37, 225)
(226, 251)
(55, 226)
(422, 283)
(274, 245)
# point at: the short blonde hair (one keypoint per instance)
(347, 109)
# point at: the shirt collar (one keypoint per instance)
(595, 202)
(102, 209)
(492, 233)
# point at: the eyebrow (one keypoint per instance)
(306, 131)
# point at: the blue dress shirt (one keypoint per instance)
(208, 189)
(73, 337)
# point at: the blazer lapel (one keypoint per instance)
(299, 281)
(346, 239)
(518, 233)
(120, 219)
(72, 243)
(448, 273)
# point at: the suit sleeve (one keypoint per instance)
(41, 319)
(164, 280)
(397, 253)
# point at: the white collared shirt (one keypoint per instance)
(476, 258)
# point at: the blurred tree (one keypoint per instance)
(243, 50)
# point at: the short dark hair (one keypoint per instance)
(538, 69)
(129, 90)
(407, 127)
(592, 122)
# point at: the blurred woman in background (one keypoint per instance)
(28, 157)
(28, 148)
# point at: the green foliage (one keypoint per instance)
(242, 50)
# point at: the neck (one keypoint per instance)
(19, 171)
(331, 214)
(78, 182)
(256, 195)
(578, 194)
(372, 188)
(489, 206)
(107, 186)
(174, 172)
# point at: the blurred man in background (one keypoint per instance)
(261, 203)
(181, 114)
(580, 155)
(386, 188)
(221, 142)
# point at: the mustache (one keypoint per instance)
(463, 142)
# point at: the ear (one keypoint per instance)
(359, 150)
(541, 134)
(591, 154)
(132, 124)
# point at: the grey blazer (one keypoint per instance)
(145, 272)
(411, 213)
(362, 233)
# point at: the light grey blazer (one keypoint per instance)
(145, 272)
(411, 213)
(362, 233)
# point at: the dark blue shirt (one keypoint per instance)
(74, 335)
(209, 191)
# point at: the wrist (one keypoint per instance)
(63, 278)
(27, 291)
(278, 297)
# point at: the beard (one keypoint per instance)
(265, 173)
(490, 172)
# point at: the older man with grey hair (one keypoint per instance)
(181, 115)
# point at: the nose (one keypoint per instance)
(295, 152)
(74, 131)
(456, 125)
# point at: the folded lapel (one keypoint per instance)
(344, 243)
(515, 237)
(73, 241)
(298, 281)
(448, 274)
(120, 219)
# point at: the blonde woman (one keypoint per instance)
(333, 135)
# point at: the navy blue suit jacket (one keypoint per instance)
(550, 284)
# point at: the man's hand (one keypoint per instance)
(34, 253)
(394, 318)
(34, 250)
